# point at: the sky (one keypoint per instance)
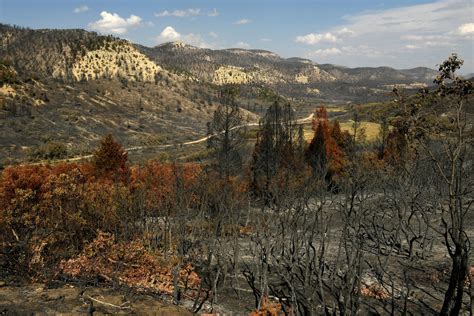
(354, 33)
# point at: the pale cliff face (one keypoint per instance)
(122, 61)
(231, 75)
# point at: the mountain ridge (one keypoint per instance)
(73, 86)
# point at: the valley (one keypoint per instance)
(180, 180)
(91, 85)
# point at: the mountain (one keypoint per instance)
(233, 65)
(293, 77)
(68, 88)
(469, 76)
(74, 55)
(381, 75)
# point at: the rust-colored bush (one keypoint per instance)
(48, 213)
(268, 309)
(131, 264)
(111, 159)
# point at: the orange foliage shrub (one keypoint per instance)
(374, 291)
(268, 309)
(131, 264)
(162, 183)
(49, 212)
(38, 214)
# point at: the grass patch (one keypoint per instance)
(371, 129)
(336, 109)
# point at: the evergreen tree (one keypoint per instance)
(276, 148)
(225, 134)
(110, 158)
(317, 154)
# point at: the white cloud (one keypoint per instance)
(169, 34)
(81, 9)
(325, 52)
(213, 34)
(313, 39)
(360, 50)
(265, 40)
(430, 31)
(345, 31)
(242, 45)
(430, 44)
(242, 22)
(466, 29)
(431, 40)
(213, 13)
(179, 13)
(195, 40)
(411, 37)
(440, 44)
(328, 37)
(428, 18)
(114, 23)
(411, 46)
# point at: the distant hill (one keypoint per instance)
(381, 75)
(260, 66)
(74, 55)
(469, 76)
(293, 77)
(73, 86)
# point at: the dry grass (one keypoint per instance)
(371, 130)
(336, 109)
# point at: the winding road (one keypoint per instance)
(164, 146)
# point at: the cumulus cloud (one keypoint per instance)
(312, 38)
(242, 45)
(112, 23)
(412, 46)
(328, 37)
(430, 44)
(345, 32)
(195, 40)
(242, 22)
(466, 29)
(360, 50)
(325, 52)
(179, 13)
(81, 9)
(213, 13)
(213, 34)
(265, 40)
(169, 34)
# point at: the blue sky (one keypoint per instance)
(401, 33)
